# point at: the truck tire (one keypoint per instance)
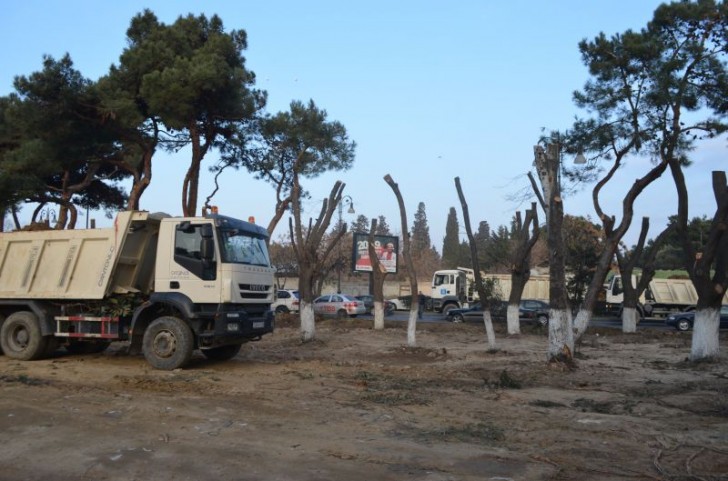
(21, 338)
(168, 343)
(87, 347)
(222, 353)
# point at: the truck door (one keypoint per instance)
(193, 271)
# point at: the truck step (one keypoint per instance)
(88, 327)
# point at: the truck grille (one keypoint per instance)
(254, 291)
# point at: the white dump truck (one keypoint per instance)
(661, 298)
(455, 288)
(166, 285)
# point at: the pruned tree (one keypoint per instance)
(306, 241)
(485, 298)
(691, 75)
(644, 84)
(379, 274)
(631, 313)
(407, 253)
(527, 233)
(547, 160)
(708, 269)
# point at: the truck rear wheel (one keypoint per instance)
(21, 338)
(168, 343)
(222, 353)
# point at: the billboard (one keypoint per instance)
(386, 247)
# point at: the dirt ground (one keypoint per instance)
(356, 404)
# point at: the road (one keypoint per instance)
(607, 322)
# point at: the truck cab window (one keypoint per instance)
(188, 252)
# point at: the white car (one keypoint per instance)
(339, 305)
(287, 300)
(399, 304)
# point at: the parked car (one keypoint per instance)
(534, 310)
(683, 321)
(368, 300)
(287, 300)
(402, 303)
(528, 310)
(472, 313)
(339, 305)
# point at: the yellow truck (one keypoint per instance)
(164, 285)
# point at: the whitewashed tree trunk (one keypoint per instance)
(513, 320)
(378, 315)
(583, 317)
(308, 322)
(412, 328)
(489, 332)
(705, 334)
(630, 318)
(561, 334)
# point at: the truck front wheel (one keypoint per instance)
(21, 338)
(168, 343)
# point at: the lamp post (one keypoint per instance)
(346, 200)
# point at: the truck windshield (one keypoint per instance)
(441, 279)
(241, 247)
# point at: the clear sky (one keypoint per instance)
(429, 90)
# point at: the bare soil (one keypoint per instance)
(357, 404)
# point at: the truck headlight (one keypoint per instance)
(233, 327)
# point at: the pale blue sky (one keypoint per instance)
(429, 90)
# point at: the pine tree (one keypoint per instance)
(428, 260)
(360, 225)
(451, 247)
(420, 232)
(382, 226)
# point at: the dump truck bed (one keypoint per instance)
(80, 264)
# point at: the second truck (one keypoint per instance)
(165, 285)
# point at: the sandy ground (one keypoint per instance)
(356, 404)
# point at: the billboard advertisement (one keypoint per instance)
(386, 247)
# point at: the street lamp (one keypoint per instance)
(350, 202)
